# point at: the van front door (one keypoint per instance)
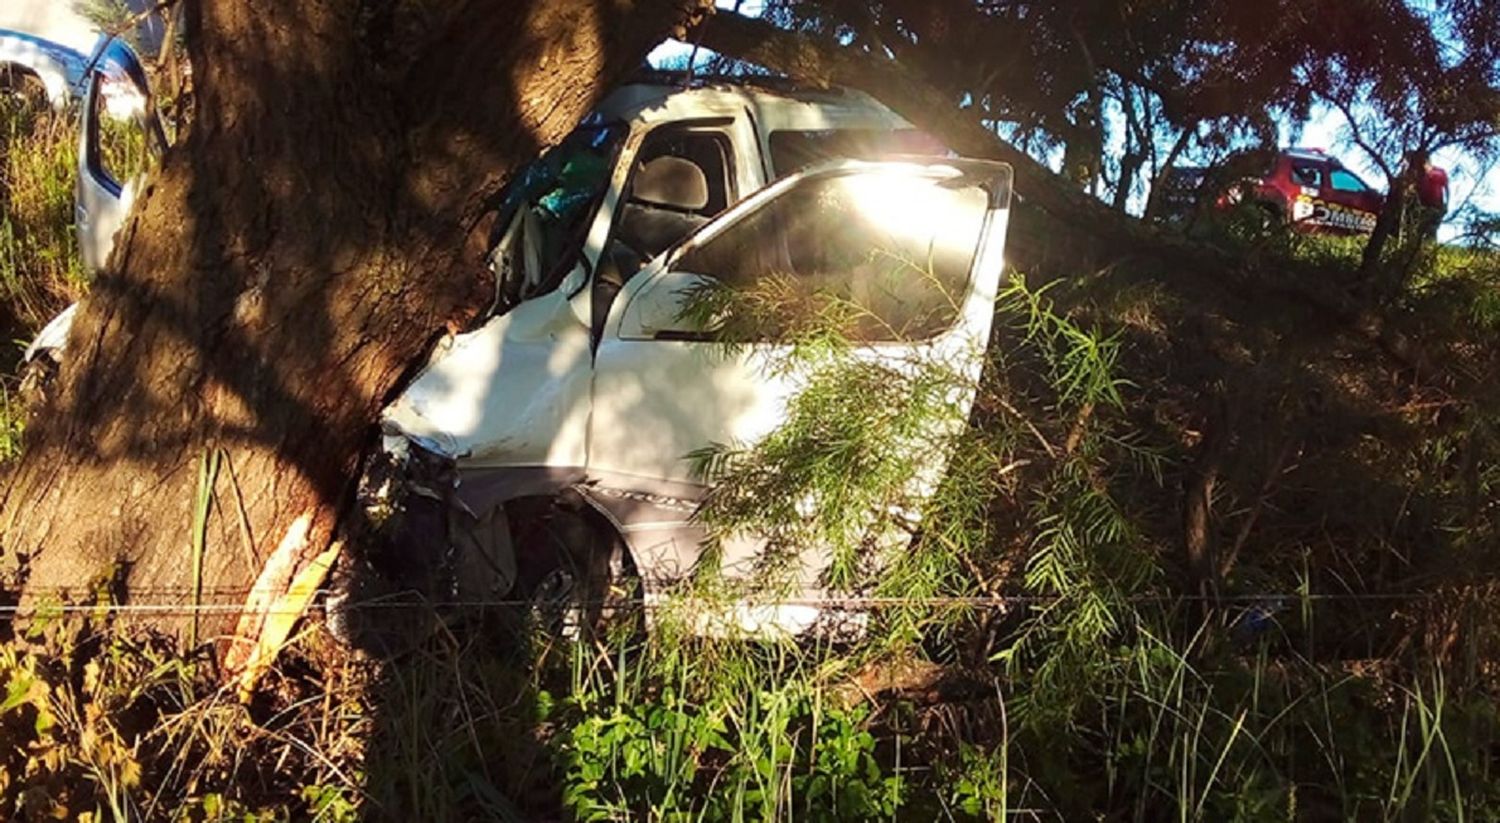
(911, 251)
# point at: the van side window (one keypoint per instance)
(883, 256)
(682, 177)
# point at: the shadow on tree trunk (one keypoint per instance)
(321, 225)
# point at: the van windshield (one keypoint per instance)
(548, 207)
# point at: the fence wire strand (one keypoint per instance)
(669, 601)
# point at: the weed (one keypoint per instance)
(40, 271)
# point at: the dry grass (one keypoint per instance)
(40, 271)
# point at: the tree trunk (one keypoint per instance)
(1138, 146)
(1200, 550)
(1154, 197)
(320, 225)
(1385, 284)
(1130, 166)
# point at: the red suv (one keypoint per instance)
(1314, 192)
(1305, 187)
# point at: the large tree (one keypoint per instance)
(322, 220)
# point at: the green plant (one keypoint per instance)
(978, 782)
(330, 804)
(40, 271)
(12, 425)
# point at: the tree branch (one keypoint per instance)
(921, 102)
(1359, 139)
(479, 97)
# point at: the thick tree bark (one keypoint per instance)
(1199, 544)
(320, 225)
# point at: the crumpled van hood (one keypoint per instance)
(512, 392)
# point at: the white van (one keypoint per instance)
(47, 46)
(551, 446)
(120, 139)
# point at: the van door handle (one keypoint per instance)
(684, 336)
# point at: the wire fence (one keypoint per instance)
(234, 602)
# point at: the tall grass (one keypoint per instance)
(40, 270)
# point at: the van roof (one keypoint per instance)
(60, 22)
(672, 95)
(773, 83)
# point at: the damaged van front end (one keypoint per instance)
(576, 412)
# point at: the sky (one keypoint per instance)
(1469, 181)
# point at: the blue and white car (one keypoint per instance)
(112, 91)
(29, 63)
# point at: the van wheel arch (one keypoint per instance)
(572, 564)
(23, 82)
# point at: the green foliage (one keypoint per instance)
(330, 804)
(978, 782)
(1159, 721)
(689, 731)
(12, 425)
(40, 271)
(1079, 362)
(815, 325)
(853, 418)
(1462, 283)
(113, 16)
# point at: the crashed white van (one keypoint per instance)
(545, 454)
(47, 48)
(552, 443)
(36, 67)
(46, 45)
(44, 50)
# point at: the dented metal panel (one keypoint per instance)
(512, 393)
